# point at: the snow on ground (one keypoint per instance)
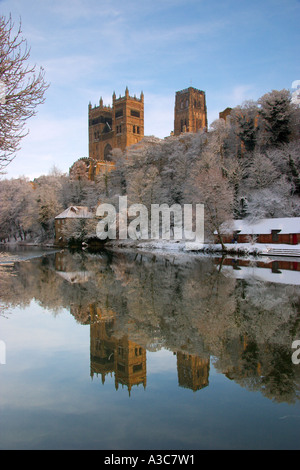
(256, 249)
(246, 248)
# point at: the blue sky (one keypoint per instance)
(234, 50)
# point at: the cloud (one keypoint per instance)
(241, 93)
(296, 83)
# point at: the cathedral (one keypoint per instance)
(122, 124)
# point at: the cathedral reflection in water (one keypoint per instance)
(233, 313)
(127, 360)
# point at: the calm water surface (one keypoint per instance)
(135, 351)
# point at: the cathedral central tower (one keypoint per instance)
(190, 114)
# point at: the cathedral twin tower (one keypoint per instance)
(122, 124)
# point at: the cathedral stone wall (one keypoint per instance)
(116, 126)
(190, 114)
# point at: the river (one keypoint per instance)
(127, 350)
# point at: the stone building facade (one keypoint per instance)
(225, 114)
(122, 124)
(190, 114)
(116, 126)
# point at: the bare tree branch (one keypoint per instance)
(22, 89)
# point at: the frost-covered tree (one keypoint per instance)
(16, 201)
(179, 157)
(22, 89)
(103, 185)
(276, 111)
(143, 182)
(286, 159)
(118, 175)
(271, 201)
(244, 120)
(48, 205)
(80, 169)
(210, 187)
(79, 230)
(217, 138)
(262, 172)
(271, 185)
(236, 172)
(144, 186)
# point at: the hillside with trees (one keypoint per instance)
(247, 166)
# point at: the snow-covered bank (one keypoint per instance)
(253, 250)
(239, 249)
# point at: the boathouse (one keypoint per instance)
(285, 230)
(71, 213)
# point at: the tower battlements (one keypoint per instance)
(127, 96)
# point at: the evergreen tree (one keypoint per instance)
(276, 110)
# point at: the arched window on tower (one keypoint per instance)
(107, 153)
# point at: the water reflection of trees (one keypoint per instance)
(187, 305)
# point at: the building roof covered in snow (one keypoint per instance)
(285, 225)
(79, 212)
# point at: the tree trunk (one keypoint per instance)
(221, 240)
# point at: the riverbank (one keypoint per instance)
(233, 249)
(237, 249)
